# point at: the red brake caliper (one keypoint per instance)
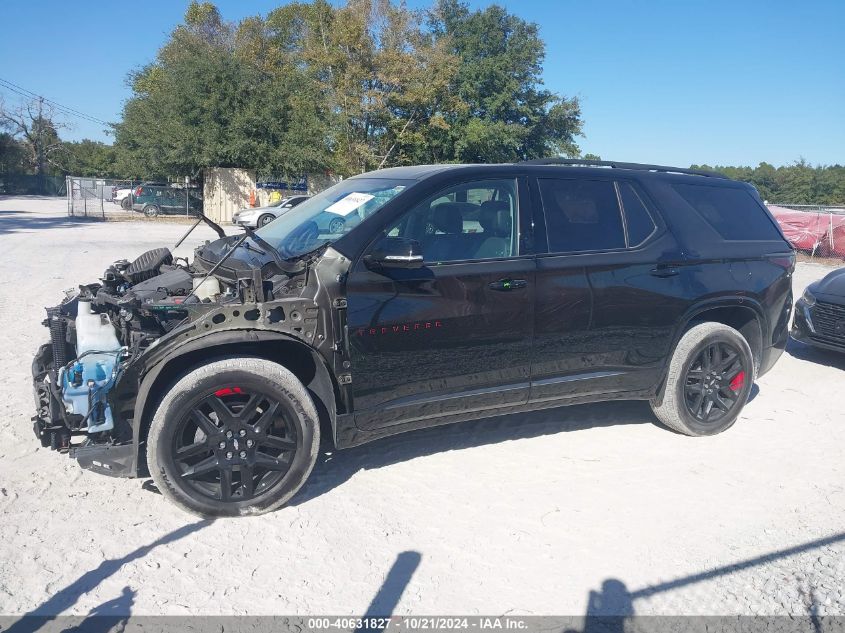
(228, 391)
(738, 381)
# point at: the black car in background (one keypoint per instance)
(447, 293)
(155, 200)
(820, 313)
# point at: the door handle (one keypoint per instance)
(504, 285)
(664, 271)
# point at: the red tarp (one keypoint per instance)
(820, 233)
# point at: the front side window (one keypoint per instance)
(581, 215)
(470, 221)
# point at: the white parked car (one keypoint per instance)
(258, 217)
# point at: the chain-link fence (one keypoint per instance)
(815, 230)
(104, 197)
(94, 197)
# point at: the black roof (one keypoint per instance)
(579, 166)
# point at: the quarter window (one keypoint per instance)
(733, 212)
(581, 215)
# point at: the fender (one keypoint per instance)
(701, 307)
(323, 384)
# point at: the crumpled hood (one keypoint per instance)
(242, 260)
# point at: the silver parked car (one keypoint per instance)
(258, 217)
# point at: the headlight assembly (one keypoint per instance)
(808, 298)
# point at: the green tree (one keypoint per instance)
(350, 88)
(12, 154)
(207, 101)
(32, 125)
(87, 158)
(509, 115)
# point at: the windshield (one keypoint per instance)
(330, 214)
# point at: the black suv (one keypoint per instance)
(453, 292)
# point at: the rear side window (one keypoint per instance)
(734, 213)
(581, 215)
(638, 219)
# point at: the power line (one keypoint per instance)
(66, 110)
(58, 106)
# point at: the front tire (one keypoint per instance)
(336, 225)
(234, 437)
(126, 203)
(265, 220)
(709, 381)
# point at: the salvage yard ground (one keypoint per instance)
(527, 514)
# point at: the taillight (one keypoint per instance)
(138, 191)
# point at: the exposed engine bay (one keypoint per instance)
(106, 336)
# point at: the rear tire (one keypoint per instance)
(151, 211)
(126, 203)
(710, 379)
(235, 437)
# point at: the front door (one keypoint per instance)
(455, 335)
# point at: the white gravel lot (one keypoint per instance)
(526, 514)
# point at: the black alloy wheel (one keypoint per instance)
(234, 444)
(714, 381)
(235, 436)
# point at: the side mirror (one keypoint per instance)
(395, 252)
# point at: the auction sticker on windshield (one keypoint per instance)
(349, 203)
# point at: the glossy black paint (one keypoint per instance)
(588, 326)
(385, 350)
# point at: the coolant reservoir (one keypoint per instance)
(86, 382)
(94, 332)
(207, 289)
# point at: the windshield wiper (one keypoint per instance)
(254, 249)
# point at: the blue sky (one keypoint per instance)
(677, 82)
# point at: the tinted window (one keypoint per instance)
(581, 215)
(469, 221)
(639, 221)
(734, 213)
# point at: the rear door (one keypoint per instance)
(456, 335)
(608, 294)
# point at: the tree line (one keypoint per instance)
(799, 183)
(314, 87)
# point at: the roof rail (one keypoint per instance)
(617, 165)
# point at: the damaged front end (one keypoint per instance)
(106, 337)
(94, 333)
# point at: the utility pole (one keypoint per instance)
(40, 149)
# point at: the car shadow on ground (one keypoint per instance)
(802, 351)
(12, 221)
(334, 467)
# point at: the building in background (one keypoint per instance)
(228, 189)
